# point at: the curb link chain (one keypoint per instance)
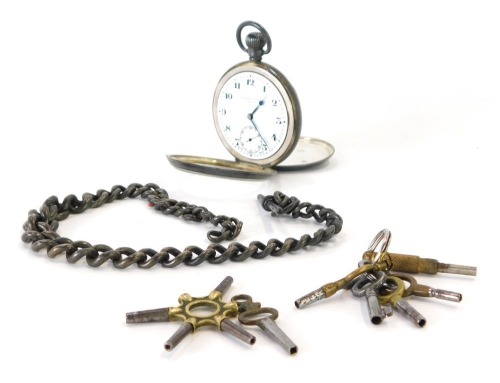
(41, 226)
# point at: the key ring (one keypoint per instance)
(245, 317)
(382, 239)
(245, 302)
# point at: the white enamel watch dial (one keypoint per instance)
(256, 114)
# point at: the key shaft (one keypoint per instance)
(395, 299)
(149, 316)
(330, 289)
(456, 269)
(365, 286)
(270, 327)
(427, 291)
(419, 290)
(265, 317)
(237, 331)
(178, 336)
(415, 265)
(375, 310)
(446, 295)
(310, 298)
(224, 286)
(410, 312)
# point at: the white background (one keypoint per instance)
(96, 93)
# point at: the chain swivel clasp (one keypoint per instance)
(268, 204)
(279, 204)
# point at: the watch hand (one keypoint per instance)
(258, 131)
(252, 138)
(261, 102)
(250, 117)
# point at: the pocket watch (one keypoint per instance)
(257, 117)
(255, 108)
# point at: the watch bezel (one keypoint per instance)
(292, 106)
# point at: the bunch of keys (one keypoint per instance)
(380, 278)
(248, 312)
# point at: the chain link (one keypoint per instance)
(41, 226)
